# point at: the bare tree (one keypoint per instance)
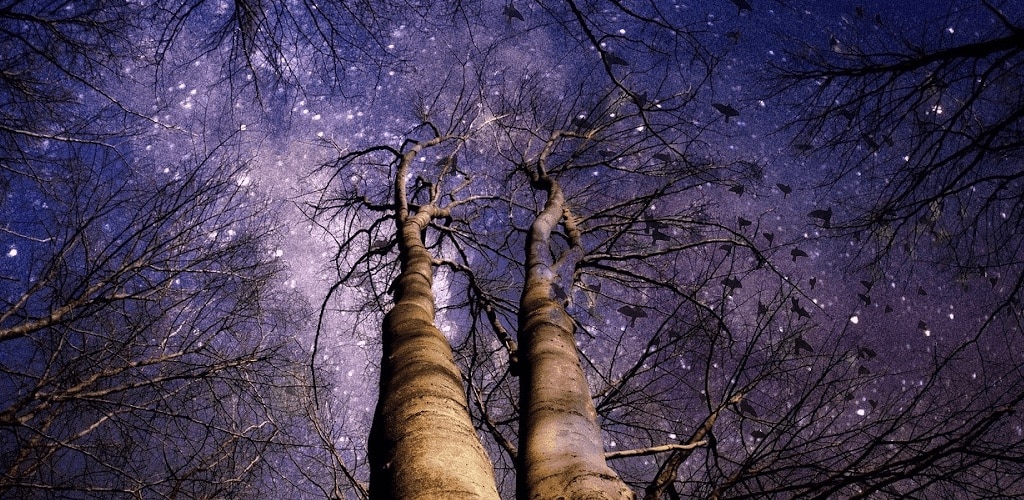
(925, 136)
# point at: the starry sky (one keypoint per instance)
(892, 321)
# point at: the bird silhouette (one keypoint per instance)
(663, 157)
(761, 308)
(798, 309)
(867, 284)
(615, 60)
(743, 222)
(812, 282)
(888, 309)
(732, 283)
(747, 409)
(865, 298)
(921, 291)
(824, 215)
(769, 236)
(743, 5)
(738, 189)
(863, 370)
(511, 12)
(866, 353)
(726, 110)
(733, 36)
(785, 188)
(727, 247)
(632, 313)
(657, 235)
(802, 344)
(796, 252)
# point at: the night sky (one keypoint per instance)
(903, 323)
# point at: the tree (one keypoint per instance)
(145, 346)
(924, 136)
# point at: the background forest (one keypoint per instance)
(537, 249)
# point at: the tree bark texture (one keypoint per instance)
(561, 450)
(422, 442)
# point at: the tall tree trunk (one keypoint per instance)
(422, 443)
(561, 451)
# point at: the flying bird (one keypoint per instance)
(726, 110)
(511, 12)
(732, 283)
(727, 247)
(867, 284)
(743, 5)
(743, 222)
(615, 60)
(632, 313)
(824, 215)
(796, 252)
(758, 435)
(922, 325)
(747, 409)
(870, 141)
(866, 298)
(738, 189)
(866, 353)
(803, 147)
(663, 157)
(785, 188)
(863, 370)
(802, 344)
(812, 282)
(921, 291)
(733, 36)
(761, 308)
(888, 309)
(657, 235)
(606, 153)
(769, 236)
(800, 311)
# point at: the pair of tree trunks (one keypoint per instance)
(423, 443)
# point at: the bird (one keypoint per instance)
(511, 12)
(824, 215)
(727, 247)
(761, 308)
(866, 298)
(615, 60)
(632, 313)
(738, 189)
(796, 252)
(799, 310)
(812, 282)
(921, 291)
(732, 283)
(888, 309)
(747, 409)
(785, 188)
(726, 110)
(866, 353)
(769, 236)
(733, 36)
(743, 5)
(663, 157)
(803, 147)
(867, 284)
(863, 370)
(870, 141)
(657, 235)
(802, 344)
(922, 325)
(758, 435)
(743, 222)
